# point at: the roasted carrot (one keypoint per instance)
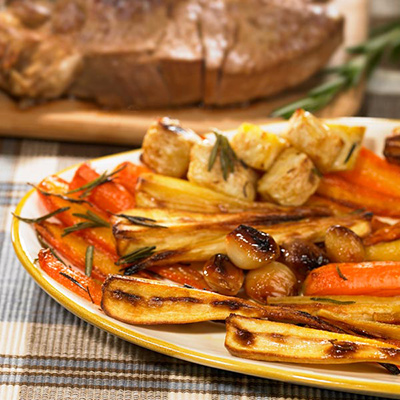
(336, 208)
(385, 234)
(377, 278)
(129, 174)
(101, 237)
(183, 274)
(374, 173)
(351, 195)
(73, 248)
(109, 196)
(70, 278)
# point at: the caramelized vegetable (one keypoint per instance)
(272, 280)
(379, 278)
(73, 248)
(183, 274)
(343, 245)
(384, 251)
(165, 192)
(271, 341)
(392, 149)
(70, 278)
(147, 302)
(222, 276)
(352, 195)
(302, 256)
(249, 248)
(374, 173)
(108, 197)
(101, 236)
(128, 175)
(384, 234)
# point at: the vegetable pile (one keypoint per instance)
(282, 237)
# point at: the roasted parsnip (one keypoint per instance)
(372, 329)
(160, 191)
(271, 341)
(146, 302)
(370, 308)
(197, 237)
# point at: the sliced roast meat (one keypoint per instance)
(279, 44)
(162, 53)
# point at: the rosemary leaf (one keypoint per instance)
(227, 156)
(42, 218)
(91, 221)
(100, 180)
(340, 273)
(60, 196)
(89, 294)
(89, 260)
(136, 255)
(142, 221)
(214, 152)
(333, 301)
(73, 280)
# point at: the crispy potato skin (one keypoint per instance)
(309, 135)
(291, 180)
(168, 152)
(239, 184)
(257, 148)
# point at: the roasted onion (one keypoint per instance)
(302, 256)
(222, 276)
(272, 280)
(343, 245)
(249, 248)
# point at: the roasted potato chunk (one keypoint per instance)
(308, 134)
(240, 183)
(257, 148)
(166, 147)
(291, 180)
(352, 137)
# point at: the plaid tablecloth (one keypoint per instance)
(48, 353)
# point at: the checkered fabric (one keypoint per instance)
(48, 353)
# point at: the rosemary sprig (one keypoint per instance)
(340, 273)
(91, 221)
(136, 255)
(142, 221)
(384, 40)
(89, 260)
(101, 180)
(42, 218)
(73, 280)
(333, 301)
(227, 156)
(60, 196)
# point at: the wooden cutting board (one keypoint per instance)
(74, 120)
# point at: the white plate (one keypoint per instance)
(203, 343)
